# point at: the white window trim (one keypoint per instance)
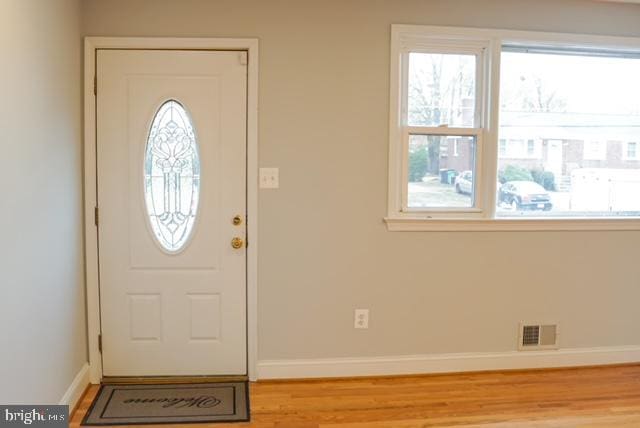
(412, 37)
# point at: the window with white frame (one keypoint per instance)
(631, 151)
(496, 125)
(595, 150)
(502, 147)
(531, 148)
(519, 148)
(443, 93)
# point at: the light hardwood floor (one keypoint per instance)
(584, 397)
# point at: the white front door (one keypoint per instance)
(171, 161)
(554, 158)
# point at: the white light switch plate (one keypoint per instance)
(269, 178)
(361, 318)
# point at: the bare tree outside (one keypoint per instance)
(568, 142)
(531, 93)
(441, 92)
(569, 122)
(440, 88)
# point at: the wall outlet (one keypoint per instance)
(361, 318)
(269, 178)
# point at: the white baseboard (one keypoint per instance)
(445, 363)
(77, 387)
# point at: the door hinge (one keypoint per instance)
(95, 85)
(243, 58)
(96, 216)
(100, 342)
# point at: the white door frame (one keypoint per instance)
(91, 44)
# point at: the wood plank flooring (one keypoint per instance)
(583, 397)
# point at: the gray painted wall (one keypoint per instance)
(42, 310)
(324, 250)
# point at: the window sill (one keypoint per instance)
(421, 224)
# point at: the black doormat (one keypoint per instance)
(169, 404)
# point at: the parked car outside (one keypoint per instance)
(464, 182)
(525, 195)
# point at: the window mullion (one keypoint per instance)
(492, 123)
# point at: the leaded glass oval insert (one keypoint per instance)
(172, 176)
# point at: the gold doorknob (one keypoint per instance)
(237, 243)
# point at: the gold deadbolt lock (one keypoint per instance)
(237, 243)
(237, 220)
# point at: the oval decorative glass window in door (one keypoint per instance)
(172, 176)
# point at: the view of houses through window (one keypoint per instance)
(569, 137)
(581, 113)
(441, 171)
(441, 93)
